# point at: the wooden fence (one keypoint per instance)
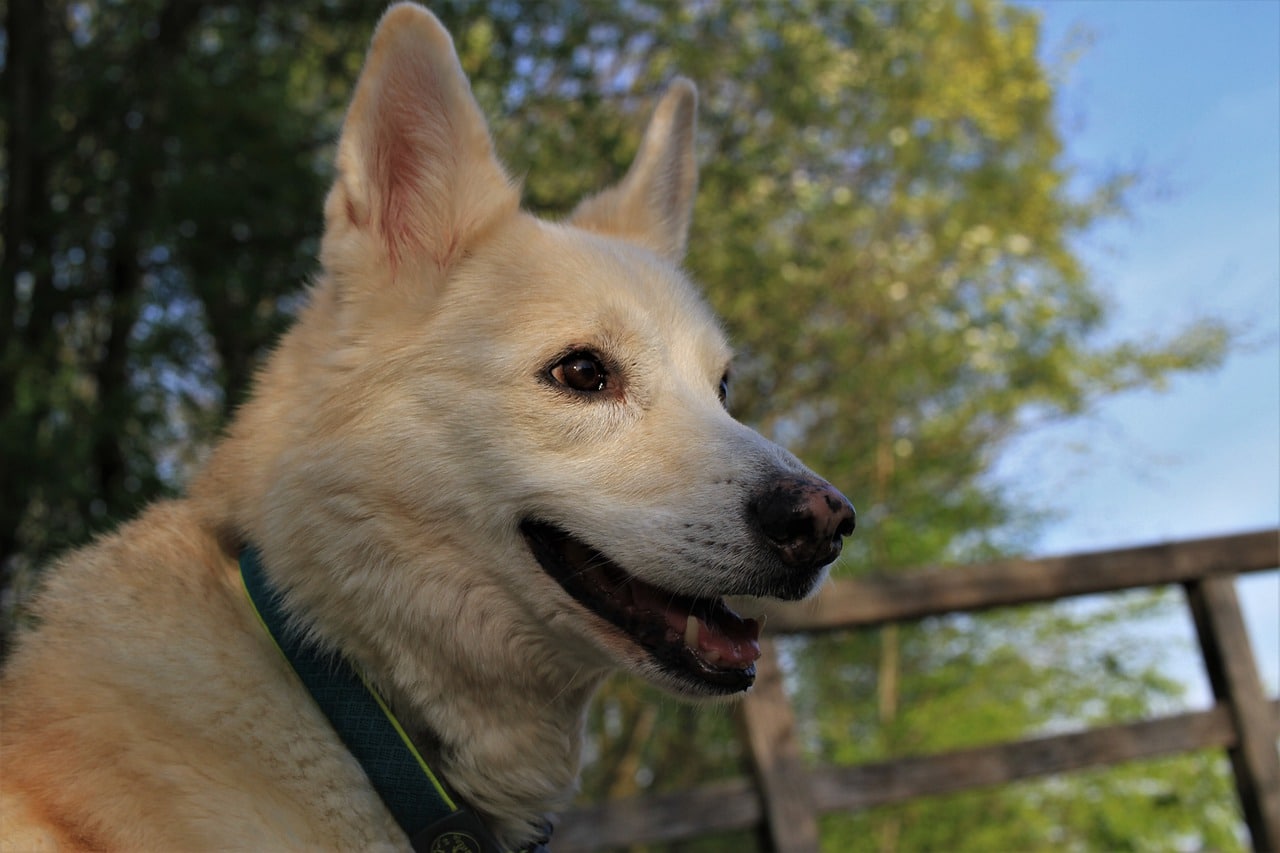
(784, 798)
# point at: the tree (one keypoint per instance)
(162, 164)
(886, 220)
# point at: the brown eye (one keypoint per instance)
(724, 389)
(581, 371)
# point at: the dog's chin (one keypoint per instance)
(691, 646)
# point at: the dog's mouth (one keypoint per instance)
(699, 640)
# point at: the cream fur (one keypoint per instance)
(395, 439)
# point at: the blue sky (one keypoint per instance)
(1188, 93)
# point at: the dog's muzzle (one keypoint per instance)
(799, 524)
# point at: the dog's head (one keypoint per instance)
(546, 399)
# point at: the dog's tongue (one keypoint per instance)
(719, 636)
(731, 643)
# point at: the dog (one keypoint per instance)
(489, 464)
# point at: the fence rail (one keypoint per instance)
(785, 798)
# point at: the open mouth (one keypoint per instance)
(699, 640)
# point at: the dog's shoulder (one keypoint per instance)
(140, 575)
(145, 707)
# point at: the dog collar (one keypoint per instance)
(434, 821)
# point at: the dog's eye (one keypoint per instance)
(581, 371)
(724, 389)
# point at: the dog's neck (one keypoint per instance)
(413, 794)
(514, 752)
(507, 743)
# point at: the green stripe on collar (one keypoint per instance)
(416, 799)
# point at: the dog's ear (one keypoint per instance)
(417, 180)
(653, 203)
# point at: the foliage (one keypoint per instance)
(1111, 809)
(886, 220)
(162, 207)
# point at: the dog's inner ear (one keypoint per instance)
(653, 203)
(417, 179)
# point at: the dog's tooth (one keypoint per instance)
(691, 632)
(711, 656)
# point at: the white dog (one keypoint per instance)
(489, 464)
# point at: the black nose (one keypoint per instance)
(804, 520)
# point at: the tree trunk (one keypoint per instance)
(27, 90)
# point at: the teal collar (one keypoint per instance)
(420, 804)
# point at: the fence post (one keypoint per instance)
(1233, 675)
(790, 816)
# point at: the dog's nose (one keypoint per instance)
(804, 520)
